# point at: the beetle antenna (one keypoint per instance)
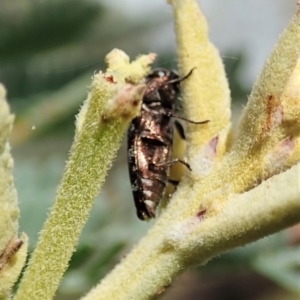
(179, 79)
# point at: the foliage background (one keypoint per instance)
(48, 52)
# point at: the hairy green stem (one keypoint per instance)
(13, 250)
(101, 123)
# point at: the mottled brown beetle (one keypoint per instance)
(150, 140)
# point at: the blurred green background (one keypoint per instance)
(48, 52)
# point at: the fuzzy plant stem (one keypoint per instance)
(13, 250)
(104, 117)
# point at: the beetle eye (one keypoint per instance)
(161, 73)
(158, 73)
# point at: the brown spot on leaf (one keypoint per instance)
(270, 110)
(277, 160)
(274, 114)
(110, 78)
(105, 119)
(201, 214)
(10, 250)
(126, 115)
(213, 143)
(135, 102)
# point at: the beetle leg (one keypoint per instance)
(180, 129)
(179, 79)
(173, 182)
(173, 161)
(170, 114)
